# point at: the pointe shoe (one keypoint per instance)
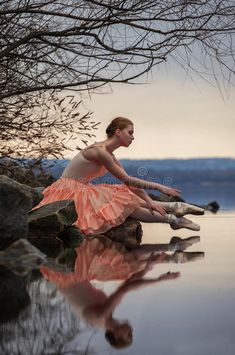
(185, 223)
(184, 257)
(183, 243)
(181, 209)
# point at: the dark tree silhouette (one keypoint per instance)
(55, 44)
(47, 46)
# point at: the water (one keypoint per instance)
(224, 194)
(190, 315)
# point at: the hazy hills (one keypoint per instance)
(200, 170)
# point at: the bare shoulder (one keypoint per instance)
(93, 152)
(103, 155)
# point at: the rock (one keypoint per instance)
(128, 233)
(212, 206)
(52, 219)
(16, 200)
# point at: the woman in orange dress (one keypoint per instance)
(103, 206)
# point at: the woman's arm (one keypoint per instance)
(139, 192)
(108, 162)
(143, 195)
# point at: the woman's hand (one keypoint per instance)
(154, 206)
(169, 191)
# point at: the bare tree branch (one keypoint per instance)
(82, 45)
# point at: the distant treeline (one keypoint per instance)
(176, 171)
(186, 176)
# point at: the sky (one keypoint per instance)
(173, 116)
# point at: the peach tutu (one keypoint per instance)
(99, 207)
(100, 260)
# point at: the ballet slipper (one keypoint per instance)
(184, 257)
(184, 223)
(180, 209)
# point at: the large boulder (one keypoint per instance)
(52, 219)
(47, 223)
(16, 200)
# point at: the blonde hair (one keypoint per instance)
(118, 122)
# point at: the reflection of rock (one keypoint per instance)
(16, 200)
(128, 233)
(13, 297)
(71, 236)
(47, 326)
(21, 257)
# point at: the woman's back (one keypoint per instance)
(83, 167)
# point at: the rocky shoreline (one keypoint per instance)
(50, 228)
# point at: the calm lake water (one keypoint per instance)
(191, 315)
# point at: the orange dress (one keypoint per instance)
(99, 207)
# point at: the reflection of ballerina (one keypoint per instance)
(103, 206)
(105, 260)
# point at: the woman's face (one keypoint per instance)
(126, 135)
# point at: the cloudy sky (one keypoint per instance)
(174, 117)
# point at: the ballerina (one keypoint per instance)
(103, 206)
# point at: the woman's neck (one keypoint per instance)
(110, 145)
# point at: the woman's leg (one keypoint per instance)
(144, 215)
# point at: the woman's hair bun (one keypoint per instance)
(118, 122)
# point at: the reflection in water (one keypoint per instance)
(36, 320)
(43, 323)
(104, 260)
(21, 256)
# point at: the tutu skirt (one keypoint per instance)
(99, 207)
